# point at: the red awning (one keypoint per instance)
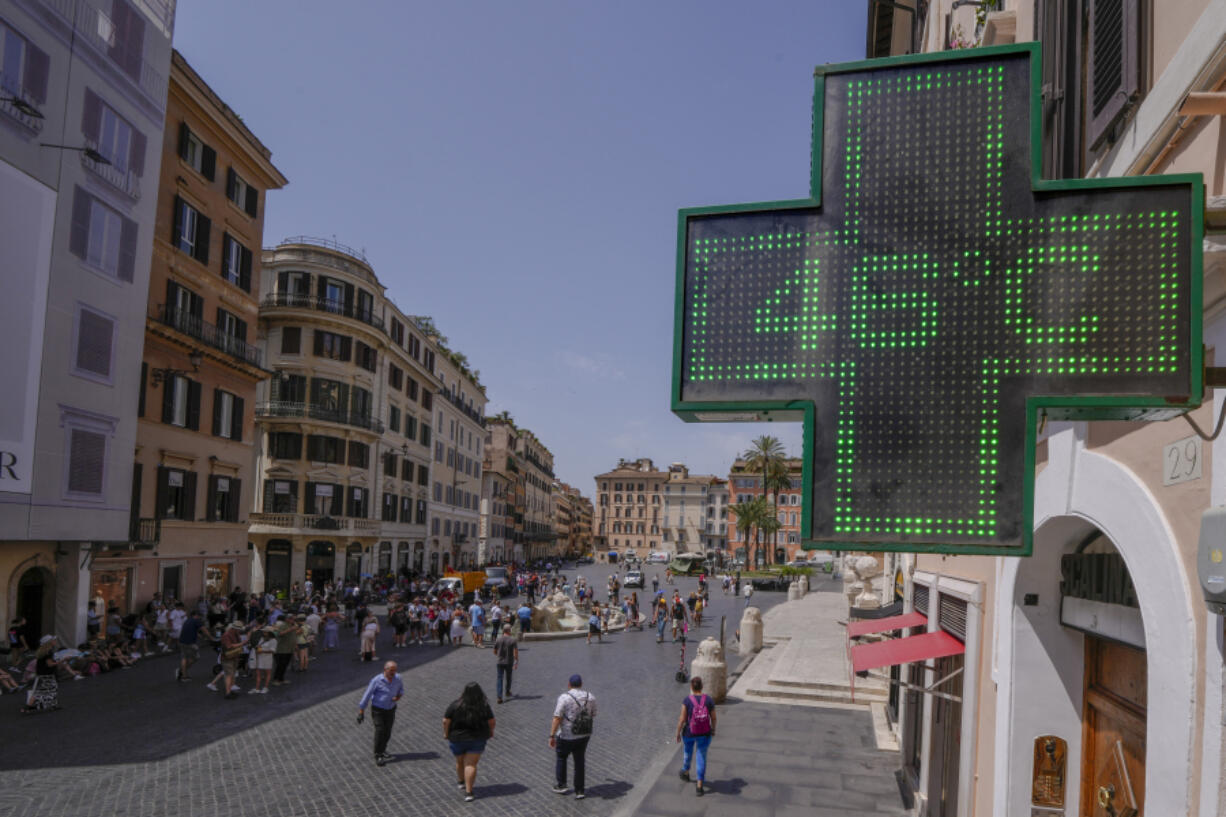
(904, 650)
(884, 625)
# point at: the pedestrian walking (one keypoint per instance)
(467, 724)
(370, 630)
(476, 614)
(678, 612)
(332, 628)
(594, 623)
(748, 592)
(287, 641)
(524, 614)
(695, 728)
(189, 644)
(265, 647)
(506, 659)
(382, 693)
(232, 643)
(660, 616)
(569, 733)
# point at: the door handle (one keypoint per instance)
(1106, 794)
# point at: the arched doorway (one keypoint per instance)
(277, 556)
(320, 563)
(353, 562)
(36, 603)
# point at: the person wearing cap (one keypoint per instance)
(563, 737)
(231, 649)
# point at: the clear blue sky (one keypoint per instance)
(514, 169)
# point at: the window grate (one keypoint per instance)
(920, 599)
(953, 617)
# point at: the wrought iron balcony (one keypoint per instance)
(125, 181)
(183, 321)
(314, 411)
(302, 521)
(305, 300)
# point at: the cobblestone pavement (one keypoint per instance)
(137, 744)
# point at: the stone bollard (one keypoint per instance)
(804, 585)
(794, 591)
(710, 666)
(751, 631)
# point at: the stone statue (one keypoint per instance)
(865, 569)
(557, 613)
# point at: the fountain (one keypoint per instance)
(556, 614)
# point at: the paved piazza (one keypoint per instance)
(135, 742)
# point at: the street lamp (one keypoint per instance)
(23, 107)
(91, 154)
(160, 376)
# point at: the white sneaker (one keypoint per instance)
(264, 691)
(235, 688)
(210, 686)
(253, 692)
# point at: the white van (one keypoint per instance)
(660, 557)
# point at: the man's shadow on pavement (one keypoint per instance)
(414, 756)
(731, 787)
(525, 698)
(609, 791)
(500, 790)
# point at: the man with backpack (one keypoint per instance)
(695, 728)
(570, 731)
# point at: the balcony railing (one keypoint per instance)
(302, 521)
(455, 400)
(145, 531)
(314, 411)
(305, 300)
(125, 182)
(183, 321)
(11, 89)
(95, 26)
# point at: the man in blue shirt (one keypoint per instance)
(189, 643)
(524, 614)
(382, 693)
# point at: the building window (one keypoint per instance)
(389, 464)
(199, 156)
(389, 508)
(181, 402)
(359, 454)
(87, 449)
(423, 475)
(242, 194)
(224, 495)
(406, 509)
(438, 492)
(94, 343)
(227, 415)
(113, 136)
(421, 512)
(393, 418)
(102, 237)
(235, 263)
(23, 68)
(324, 499)
(366, 357)
(191, 231)
(410, 388)
(359, 503)
(285, 445)
(126, 35)
(394, 376)
(176, 494)
(291, 340)
(333, 346)
(281, 496)
(321, 448)
(397, 332)
(406, 470)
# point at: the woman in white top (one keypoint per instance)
(457, 627)
(370, 629)
(264, 648)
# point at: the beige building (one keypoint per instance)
(572, 520)
(529, 465)
(683, 516)
(459, 417)
(193, 477)
(629, 505)
(345, 423)
(82, 111)
(1073, 693)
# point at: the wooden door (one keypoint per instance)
(1113, 730)
(945, 743)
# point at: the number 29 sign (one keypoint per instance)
(932, 298)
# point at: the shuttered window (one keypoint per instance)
(127, 38)
(224, 493)
(280, 496)
(359, 454)
(102, 237)
(919, 599)
(1113, 70)
(284, 445)
(24, 69)
(291, 340)
(95, 341)
(952, 617)
(241, 193)
(86, 457)
(1058, 26)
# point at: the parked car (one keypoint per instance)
(634, 578)
(776, 583)
(799, 563)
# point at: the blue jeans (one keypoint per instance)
(701, 743)
(660, 622)
(504, 670)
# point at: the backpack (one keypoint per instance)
(700, 716)
(581, 726)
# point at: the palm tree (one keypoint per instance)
(778, 478)
(769, 525)
(762, 456)
(750, 516)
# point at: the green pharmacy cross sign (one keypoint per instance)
(934, 300)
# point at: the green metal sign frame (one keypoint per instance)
(1066, 406)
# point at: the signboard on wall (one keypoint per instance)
(932, 298)
(27, 223)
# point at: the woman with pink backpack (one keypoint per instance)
(695, 728)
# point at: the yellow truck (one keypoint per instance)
(461, 585)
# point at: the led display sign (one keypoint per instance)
(933, 300)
